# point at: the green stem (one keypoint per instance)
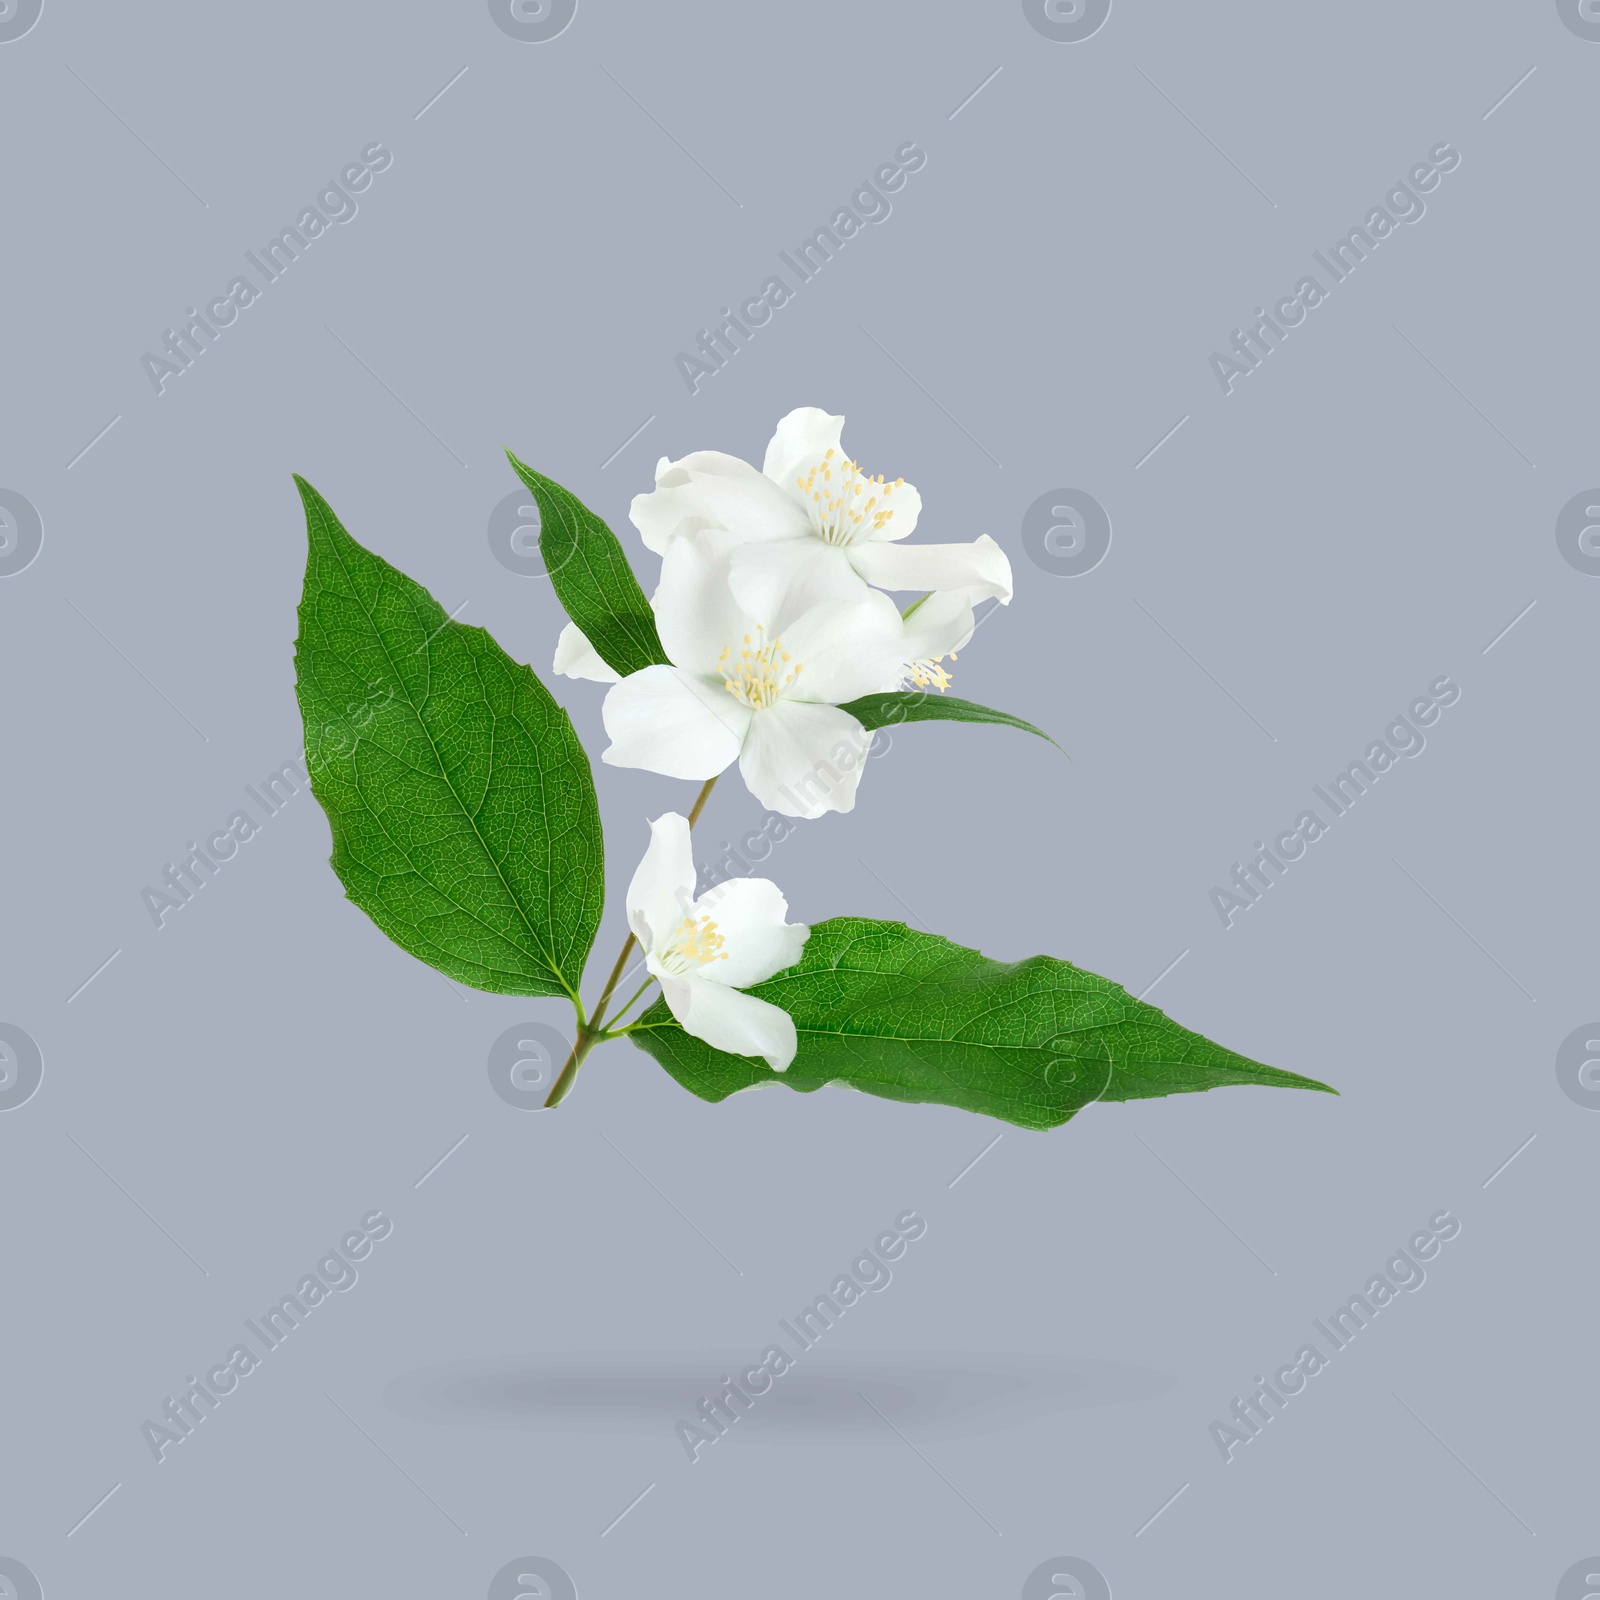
(623, 1010)
(593, 1031)
(570, 1071)
(638, 1025)
(610, 989)
(700, 800)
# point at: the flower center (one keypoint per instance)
(760, 674)
(834, 490)
(693, 944)
(928, 674)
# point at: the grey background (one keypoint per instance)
(1356, 519)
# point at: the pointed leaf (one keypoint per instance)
(592, 577)
(916, 705)
(462, 807)
(910, 1016)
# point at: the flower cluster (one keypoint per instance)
(771, 609)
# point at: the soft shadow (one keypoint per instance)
(822, 1399)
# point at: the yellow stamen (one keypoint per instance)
(833, 517)
(928, 674)
(692, 945)
(757, 677)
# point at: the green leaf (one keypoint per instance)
(592, 577)
(463, 811)
(911, 1016)
(916, 705)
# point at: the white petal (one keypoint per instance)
(697, 615)
(803, 760)
(775, 582)
(845, 649)
(986, 544)
(900, 499)
(662, 891)
(980, 567)
(801, 440)
(757, 942)
(728, 1020)
(577, 658)
(711, 490)
(674, 723)
(939, 626)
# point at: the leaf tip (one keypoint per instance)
(309, 495)
(529, 477)
(1300, 1081)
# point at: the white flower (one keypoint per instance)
(813, 526)
(703, 961)
(934, 627)
(740, 689)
